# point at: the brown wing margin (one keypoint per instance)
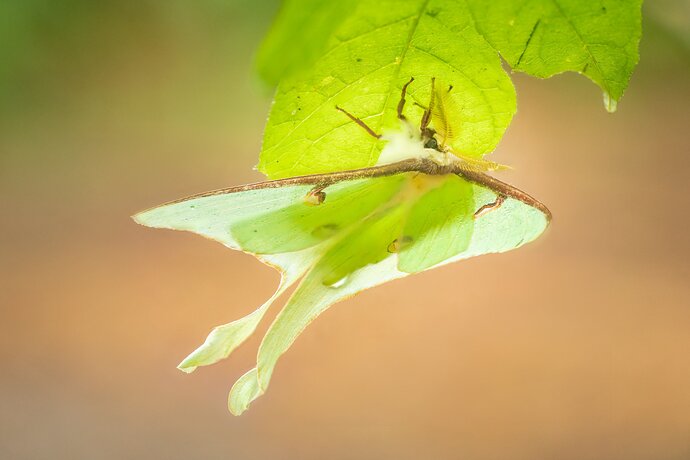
(421, 165)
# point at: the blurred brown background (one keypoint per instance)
(574, 347)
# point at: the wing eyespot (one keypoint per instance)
(315, 197)
(398, 244)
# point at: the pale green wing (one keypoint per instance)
(367, 244)
(214, 215)
(224, 339)
(309, 222)
(282, 226)
(245, 390)
(517, 221)
(358, 260)
(439, 225)
(511, 225)
(310, 299)
(391, 221)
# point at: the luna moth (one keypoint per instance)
(343, 232)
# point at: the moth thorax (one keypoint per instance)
(442, 157)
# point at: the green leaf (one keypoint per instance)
(447, 213)
(372, 53)
(284, 52)
(545, 37)
(374, 47)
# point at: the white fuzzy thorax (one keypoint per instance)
(406, 143)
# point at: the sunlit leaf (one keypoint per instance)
(545, 37)
(374, 47)
(285, 52)
(370, 55)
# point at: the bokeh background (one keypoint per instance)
(574, 347)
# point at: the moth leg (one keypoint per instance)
(487, 208)
(426, 118)
(401, 104)
(359, 122)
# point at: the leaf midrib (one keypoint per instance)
(396, 75)
(585, 46)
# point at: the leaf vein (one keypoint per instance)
(584, 44)
(329, 99)
(396, 75)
